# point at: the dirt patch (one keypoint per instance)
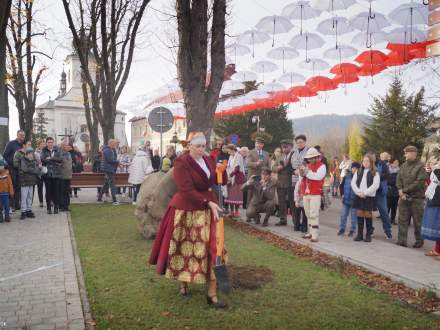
(249, 277)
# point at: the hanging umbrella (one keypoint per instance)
(275, 25)
(291, 78)
(282, 53)
(402, 35)
(332, 5)
(345, 79)
(334, 26)
(231, 85)
(257, 94)
(300, 10)
(237, 50)
(348, 69)
(302, 91)
(253, 37)
(396, 59)
(244, 76)
(368, 40)
(410, 14)
(371, 56)
(272, 87)
(284, 97)
(342, 52)
(320, 83)
(314, 64)
(306, 41)
(370, 69)
(364, 22)
(264, 66)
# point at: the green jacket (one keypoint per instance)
(28, 172)
(411, 179)
(17, 158)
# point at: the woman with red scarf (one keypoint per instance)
(185, 245)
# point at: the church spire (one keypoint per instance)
(62, 90)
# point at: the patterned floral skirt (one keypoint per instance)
(185, 246)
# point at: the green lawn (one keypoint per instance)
(125, 293)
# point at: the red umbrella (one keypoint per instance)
(284, 97)
(371, 56)
(345, 79)
(321, 83)
(302, 91)
(396, 58)
(371, 69)
(348, 69)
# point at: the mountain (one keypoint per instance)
(318, 126)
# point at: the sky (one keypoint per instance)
(153, 64)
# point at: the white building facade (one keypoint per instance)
(66, 115)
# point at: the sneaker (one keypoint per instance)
(30, 214)
(133, 203)
(116, 203)
(41, 205)
(23, 216)
(389, 236)
(7, 218)
(351, 233)
(341, 232)
(99, 200)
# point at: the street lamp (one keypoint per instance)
(175, 140)
(256, 120)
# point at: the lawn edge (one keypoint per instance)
(418, 298)
(89, 322)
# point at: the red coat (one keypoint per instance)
(309, 186)
(194, 189)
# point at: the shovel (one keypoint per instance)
(220, 270)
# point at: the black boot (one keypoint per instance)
(369, 224)
(360, 234)
(257, 220)
(266, 222)
(55, 210)
(1, 217)
(30, 214)
(49, 210)
(281, 223)
(23, 216)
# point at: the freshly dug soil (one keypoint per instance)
(249, 277)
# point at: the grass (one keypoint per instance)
(125, 293)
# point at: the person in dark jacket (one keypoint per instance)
(51, 159)
(348, 197)
(155, 160)
(29, 171)
(109, 164)
(8, 155)
(96, 167)
(381, 196)
(393, 192)
(65, 175)
(77, 164)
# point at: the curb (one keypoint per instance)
(81, 284)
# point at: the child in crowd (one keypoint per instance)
(6, 191)
(299, 211)
(348, 197)
(29, 171)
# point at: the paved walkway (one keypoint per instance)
(406, 265)
(38, 281)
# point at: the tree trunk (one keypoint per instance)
(92, 122)
(5, 8)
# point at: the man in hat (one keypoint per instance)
(262, 190)
(296, 161)
(256, 160)
(311, 187)
(283, 168)
(411, 185)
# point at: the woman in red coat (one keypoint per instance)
(185, 245)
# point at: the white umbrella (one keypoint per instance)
(306, 41)
(264, 66)
(410, 14)
(291, 78)
(369, 22)
(332, 5)
(253, 37)
(244, 76)
(282, 53)
(275, 25)
(300, 10)
(257, 94)
(334, 26)
(236, 49)
(272, 87)
(362, 39)
(314, 64)
(342, 52)
(229, 86)
(402, 35)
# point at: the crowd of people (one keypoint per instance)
(292, 180)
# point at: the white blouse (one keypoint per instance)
(368, 191)
(204, 167)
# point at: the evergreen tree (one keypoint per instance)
(274, 121)
(397, 121)
(40, 132)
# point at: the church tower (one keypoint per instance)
(62, 90)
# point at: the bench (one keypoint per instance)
(95, 180)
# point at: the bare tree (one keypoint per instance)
(110, 28)
(5, 8)
(25, 69)
(200, 90)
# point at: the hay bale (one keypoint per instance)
(154, 196)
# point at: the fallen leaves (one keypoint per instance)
(424, 300)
